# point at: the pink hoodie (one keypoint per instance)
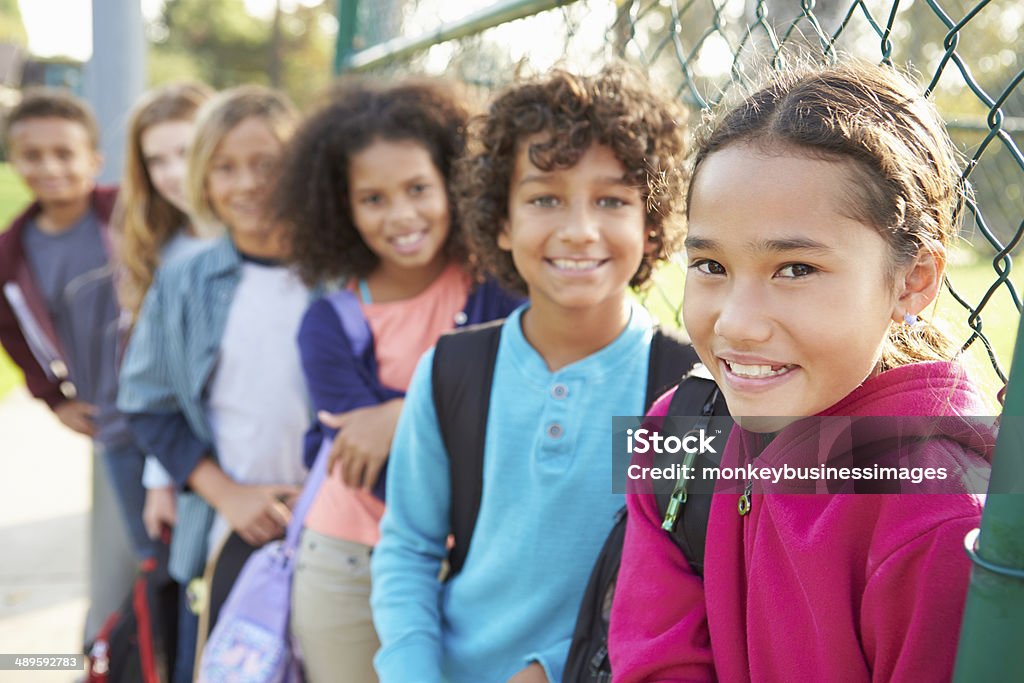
(810, 587)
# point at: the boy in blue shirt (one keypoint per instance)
(572, 191)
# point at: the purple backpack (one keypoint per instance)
(252, 641)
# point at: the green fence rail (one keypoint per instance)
(400, 47)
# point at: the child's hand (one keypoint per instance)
(362, 445)
(534, 673)
(77, 415)
(160, 510)
(259, 513)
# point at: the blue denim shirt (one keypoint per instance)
(166, 368)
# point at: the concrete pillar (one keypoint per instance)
(115, 76)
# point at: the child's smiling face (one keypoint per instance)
(55, 157)
(164, 148)
(239, 177)
(577, 235)
(788, 299)
(399, 204)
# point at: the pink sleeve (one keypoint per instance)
(659, 626)
(913, 605)
(660, 406)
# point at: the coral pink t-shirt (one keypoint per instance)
(402, 332)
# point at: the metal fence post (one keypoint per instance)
(344, 47)
(992, 637)
(115, 76)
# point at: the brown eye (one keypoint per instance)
(796, 270)
(544, 201)
(708, 267)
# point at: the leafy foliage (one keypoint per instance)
(219, 42)
(12, 30)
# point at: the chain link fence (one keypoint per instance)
(965, 54)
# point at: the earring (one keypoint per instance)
(909, 319)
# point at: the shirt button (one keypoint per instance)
(559, 391)
(461, 318)
(554, 430)
(68, 390)
(58, 368)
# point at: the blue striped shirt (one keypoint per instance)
(167, 367)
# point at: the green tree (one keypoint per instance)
(227, 43)
(219, 42)
(12, 30)
(306, 47)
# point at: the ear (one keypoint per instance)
(97, 160)
(504, 239)
(918, 285)
(650, 242)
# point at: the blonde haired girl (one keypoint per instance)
(154, 220)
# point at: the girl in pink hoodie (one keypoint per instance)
(820, 211)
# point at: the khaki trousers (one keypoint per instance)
(331, 617)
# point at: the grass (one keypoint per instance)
(13, 197)
(970, 277)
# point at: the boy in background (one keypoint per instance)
(59, 314)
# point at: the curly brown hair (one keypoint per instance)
(907, 182)
(617, 108)
(312, 193)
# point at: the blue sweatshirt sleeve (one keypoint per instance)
(488, 301)
(338, 381)
(168, 436)
(406, 597)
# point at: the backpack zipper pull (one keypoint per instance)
(679, 491)
(678, 496)
(743, 507)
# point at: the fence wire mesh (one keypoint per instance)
(966, 56)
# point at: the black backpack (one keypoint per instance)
(463, 369)
(138, 642)
(697, 395)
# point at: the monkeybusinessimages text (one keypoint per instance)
(644, 441)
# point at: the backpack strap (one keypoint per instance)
(671, 357)
(462, 373)
(697, 394)
(357, 329)
(353, 322)
(686, 510)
